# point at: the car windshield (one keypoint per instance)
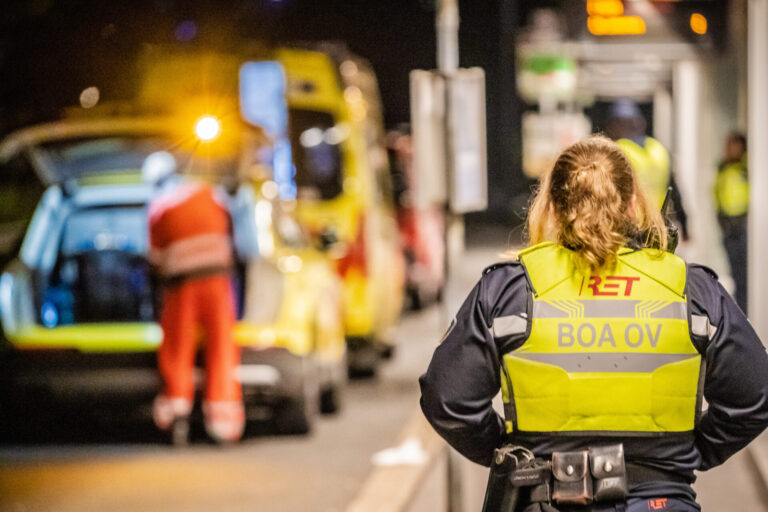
(123, 154)
(316, 142)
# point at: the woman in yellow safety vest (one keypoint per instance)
(603, 346)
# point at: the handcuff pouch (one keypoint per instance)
(572, 479)
(609, 472)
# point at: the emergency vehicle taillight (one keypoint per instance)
(355, 257)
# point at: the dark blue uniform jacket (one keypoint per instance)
(464, 376)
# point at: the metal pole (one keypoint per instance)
(757, 85)
(447, 28)
(447, 24)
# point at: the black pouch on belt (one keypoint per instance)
(573, 482)
(607, 466)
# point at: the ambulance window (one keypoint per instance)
(316, 148)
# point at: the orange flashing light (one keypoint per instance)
(698, 23)
(616, 25)
(605, 7)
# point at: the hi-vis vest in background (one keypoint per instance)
(651, 163)
(732, 189)
(606, 353)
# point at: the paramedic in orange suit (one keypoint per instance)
(192, 256)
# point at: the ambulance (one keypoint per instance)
(343, 189)
(78, 305)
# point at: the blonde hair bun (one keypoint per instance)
(591, 202)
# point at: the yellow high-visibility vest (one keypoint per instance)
(610, 352)
(732, 190)
(651, 163)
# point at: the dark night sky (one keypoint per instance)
(51, 50)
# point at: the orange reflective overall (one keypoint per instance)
(191, 250)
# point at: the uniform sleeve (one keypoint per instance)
(736, 379)
(460, 383)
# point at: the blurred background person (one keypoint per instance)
(420, 226)
(648, 156)
(191, 253)
(732, 201)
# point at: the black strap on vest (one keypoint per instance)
(638, 474)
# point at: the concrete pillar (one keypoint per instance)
(693, 165)
(718, 107)
(662, 116)
(757, 76)
(686, 88)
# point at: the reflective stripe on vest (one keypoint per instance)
(606, 353)
(189, 255)
(651, 163)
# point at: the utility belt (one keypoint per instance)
(598, 474)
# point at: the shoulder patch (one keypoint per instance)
(500, 264)
(706, 269)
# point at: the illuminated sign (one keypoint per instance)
(606, 18)
(616, 25)
(702, 23)
(605, 7)
(698, 23)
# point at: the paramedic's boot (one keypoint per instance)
(171, 416)
(224, 421)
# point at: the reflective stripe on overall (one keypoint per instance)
(189, 231)
(605, 353)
